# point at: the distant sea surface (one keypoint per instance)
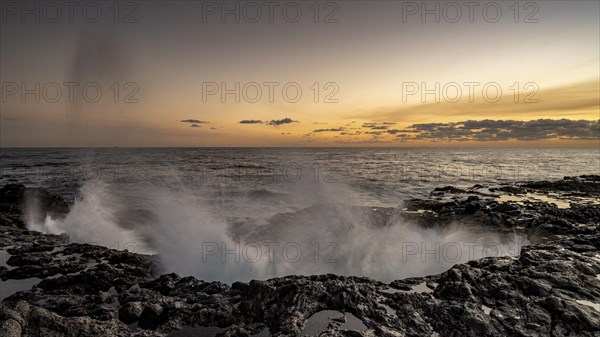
(285, 179)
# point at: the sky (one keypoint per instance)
(328, 73)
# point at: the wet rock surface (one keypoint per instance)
(551, 289)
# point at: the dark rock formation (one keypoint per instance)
(551, 289)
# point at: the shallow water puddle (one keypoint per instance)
(353, 323)
(418, 289)
(421, 288)
(319, 321)
(10, 287)
(264, 333)
(388, 309)
(207, 331)
(201, 331)
(532, 197)
(596, 306)
(4, 256)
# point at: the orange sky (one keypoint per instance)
(368, 67)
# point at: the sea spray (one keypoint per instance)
(91, 219)
(321, 233)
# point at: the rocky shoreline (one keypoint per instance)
(551, 289)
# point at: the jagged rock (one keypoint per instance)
(88, 290)
(130, 312)
(152, 317)
(11, 323)
(587, 184)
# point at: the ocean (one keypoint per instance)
(374, 176)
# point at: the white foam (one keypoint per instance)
(194, 236)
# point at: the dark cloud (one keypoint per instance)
(193, 121)
(251, 121)
(355, 133)
(428, 126)
(488, 123)
(330, 130)
(501, 130)
(278, 122)
(378, 126)
(195, 125)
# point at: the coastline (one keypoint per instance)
(551, 288)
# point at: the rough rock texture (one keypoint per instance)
(88, 290)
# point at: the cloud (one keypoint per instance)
(502, 130)
(193, 121)
(278, 122)
(251, 121)
(195, 125)
(330, 130)
(378, 126)
(573, 101)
